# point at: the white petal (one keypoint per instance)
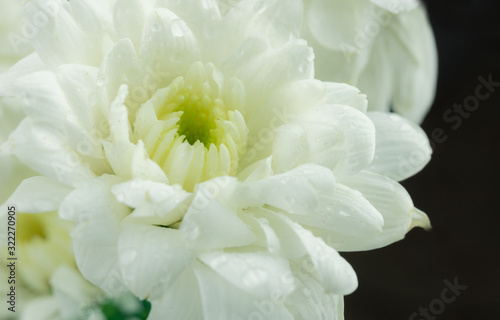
(71, 290)
(145, 168)
(260, 274)
(14, 171)
(310, 301)
(334, 23)
(288, 104)
(402, 148)
(203, 18)
(336, 136)
(121, 66)
(181, 300)
(168, 46)
(296, 191)
(357, 133)
(41, 308)
(346, 211)
(155, 203)
(336, 275)
(25, 66)
(265, 235)
(280, 19)
(97, 215)
(127, 15)
(151, 258)
(416, 64)
(56, 36)
(335, 272)
(397, 6)
(78, 84)
(53, 159)
(209, 224)
(392, 201)
(44, 100)
(221, 300)
(262, 75)
(257, 171)
(376, 79)
(38, 194)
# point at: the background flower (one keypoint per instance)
(385, 48)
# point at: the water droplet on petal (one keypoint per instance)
(191, 231)
(120, 197)
(128, 256)
(285, 180)
(255, 277)
(102, 81)
(290, 199)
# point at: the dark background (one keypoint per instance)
(459, 189)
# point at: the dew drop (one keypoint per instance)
(102, 81)
(285, 180)
(120, 197)
(192, 231)
(155, 28)
(255, 277)
(128, 256)
(344, 213)
(290, 199)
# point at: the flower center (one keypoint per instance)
(190, 131)
(32, 226)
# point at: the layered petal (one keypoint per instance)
(402, 147)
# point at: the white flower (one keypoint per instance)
(386, 48)
(204, 168)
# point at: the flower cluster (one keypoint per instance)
(201, 164)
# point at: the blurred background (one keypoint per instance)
(459, 189)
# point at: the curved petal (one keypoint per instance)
(260, 273)
(56, 35)
(392, 201)
(38, 194)
(416, 64)
(151, 258)
(127, 16)
(335, 136)
(181, 300)
(333, 271)
(221, 300)
(154, 203)
(168, 47)
(25, 66)
(54, 159)
(402, 148)
(209, 224)
(295, 191)
(310, 301)
(397, 6)
(43, 99)
(97, 215)
(346, 211)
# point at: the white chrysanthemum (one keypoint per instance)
(204, 168)
(386, 48)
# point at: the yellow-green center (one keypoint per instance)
(189, 130)
(30, 226)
